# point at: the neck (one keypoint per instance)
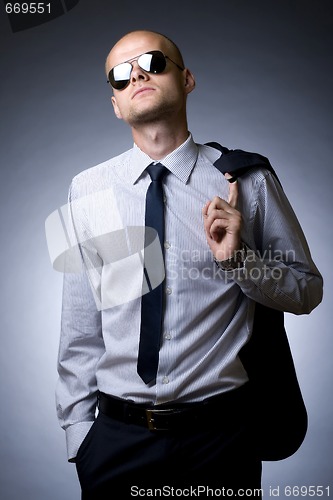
(158, 140)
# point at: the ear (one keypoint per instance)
(189, 81)
(115, 108)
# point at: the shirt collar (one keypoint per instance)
(180, 161)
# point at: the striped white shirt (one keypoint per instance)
(208, 313)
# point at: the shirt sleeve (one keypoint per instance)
(278, 271)
(81, 347)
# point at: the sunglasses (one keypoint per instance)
(151, 62)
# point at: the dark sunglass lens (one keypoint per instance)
(119, 85)
(119, 76)
(158, 62)
(153, 62)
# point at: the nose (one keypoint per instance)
(138, 73)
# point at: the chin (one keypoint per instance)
(150, 115)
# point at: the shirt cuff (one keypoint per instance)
(75, 435)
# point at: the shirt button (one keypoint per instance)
(165, 380)
(167, 245)
(167, 336)
(168, 290)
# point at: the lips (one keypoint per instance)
(142, 90)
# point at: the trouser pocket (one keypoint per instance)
(87, 455)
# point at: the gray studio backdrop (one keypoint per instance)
(264, 83)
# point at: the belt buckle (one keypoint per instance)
(151, 422)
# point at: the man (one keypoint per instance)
(201, 435)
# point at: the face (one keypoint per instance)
(148, 97)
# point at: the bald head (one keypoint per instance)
(136, 43)
(147, 98)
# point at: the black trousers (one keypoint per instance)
(135, 462)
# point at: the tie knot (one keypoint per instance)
(157, 171)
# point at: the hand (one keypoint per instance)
(223, 223)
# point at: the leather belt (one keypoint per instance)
(225, 407)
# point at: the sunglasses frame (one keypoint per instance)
(143, 69)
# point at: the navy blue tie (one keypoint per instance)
(152, 302)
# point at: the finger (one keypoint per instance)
(207, 222)
(233, 192)
(205, 209)
(217, 203)
(218, 206)
(216, 223)
(218, 229)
